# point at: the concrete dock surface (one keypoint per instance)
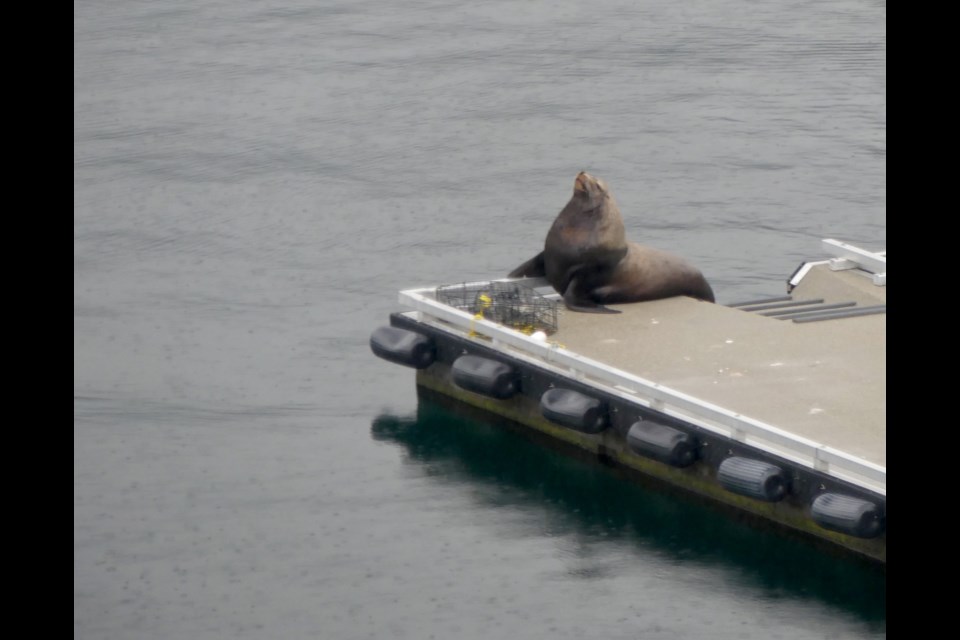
(823, 380)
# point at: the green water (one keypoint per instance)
(576, 497)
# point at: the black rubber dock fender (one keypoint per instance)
(402, 346)
(753, 478)
(846, 514)
(574, 410)
(662, 443)
(485, 376)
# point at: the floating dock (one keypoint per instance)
(774, 407)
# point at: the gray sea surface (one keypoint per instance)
(254, 181)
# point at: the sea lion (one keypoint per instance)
(587, 258)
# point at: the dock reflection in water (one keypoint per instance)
(590, 501)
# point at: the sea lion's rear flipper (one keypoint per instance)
(702, 290)
(579, 300)
(532, 268)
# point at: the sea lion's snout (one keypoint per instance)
(588, 186)
(582, 182)
(585, 182)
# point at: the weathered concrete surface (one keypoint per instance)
(821, 380)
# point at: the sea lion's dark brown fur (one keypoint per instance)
(588, 260)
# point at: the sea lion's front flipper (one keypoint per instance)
(578, 301)
(532, 268)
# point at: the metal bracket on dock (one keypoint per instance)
(847, 256)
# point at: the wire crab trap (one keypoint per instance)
(506, 303)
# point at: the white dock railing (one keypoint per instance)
(706, 415)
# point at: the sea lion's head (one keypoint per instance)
(589, 190)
